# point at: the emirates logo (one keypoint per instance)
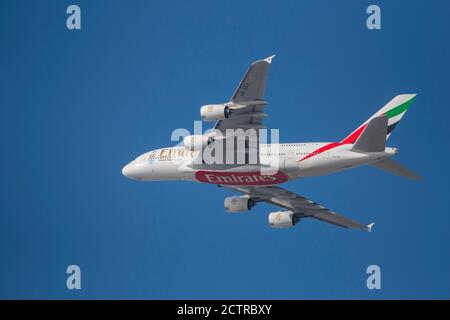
(240, 178)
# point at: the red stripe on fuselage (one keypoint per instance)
(321, 149)
(350, 139)
(354, 135)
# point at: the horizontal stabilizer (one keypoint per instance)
(373, 137)
(395, 168)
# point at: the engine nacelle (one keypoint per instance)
(196, 142)
(214, 112)
(238, 204)
(282, 219)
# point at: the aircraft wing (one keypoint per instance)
(301, 206)
(248, 99)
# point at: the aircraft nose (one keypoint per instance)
(132, 171)
(126, 170)
(129, 171)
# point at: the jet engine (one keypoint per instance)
(282, 219)
(214, 112)
(196, 142)
(238, 204)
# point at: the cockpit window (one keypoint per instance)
(141, 157)
(146, 156)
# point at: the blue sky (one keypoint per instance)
(78, 105)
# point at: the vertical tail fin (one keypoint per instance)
(373, 137)
(394, 110)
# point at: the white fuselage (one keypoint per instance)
(277, 164)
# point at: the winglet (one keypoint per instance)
(369, 227)
(269, 59)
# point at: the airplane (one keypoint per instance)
(256, 182)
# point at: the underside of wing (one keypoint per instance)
(299, 206)
(248, 101)
(253, 84)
